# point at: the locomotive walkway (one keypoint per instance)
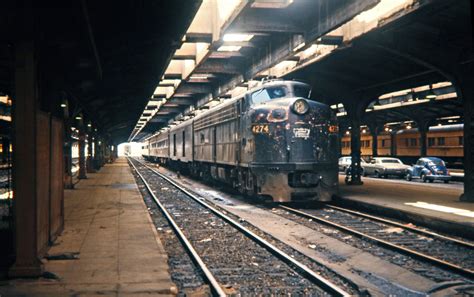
(108, 227)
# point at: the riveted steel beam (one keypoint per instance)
(192, 88)
(218, 66)
(182, 101)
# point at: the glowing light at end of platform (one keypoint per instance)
(6, 195)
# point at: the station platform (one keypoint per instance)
(435, 205)
(109, 231)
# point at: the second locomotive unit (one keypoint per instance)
(271, 141)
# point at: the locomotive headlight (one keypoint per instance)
(300, 106)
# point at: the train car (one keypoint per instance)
(441, 141)
(158, 148)
(217, 141)
(271, 141)
(444, 141)
(145, 150)
(181, 145)
(384, 143)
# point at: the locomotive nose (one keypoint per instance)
(277, 114)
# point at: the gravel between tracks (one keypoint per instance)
(422, 268)
(182, 269)
(241, 265)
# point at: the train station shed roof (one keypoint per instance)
(351, 52)
(104, 57)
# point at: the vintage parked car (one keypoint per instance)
(384, 166)
(429, 169)
(345, 162)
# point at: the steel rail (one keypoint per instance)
(215, 287)
(314, 277)
(396, 224)
(446, 265)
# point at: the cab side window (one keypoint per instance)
(420, 162)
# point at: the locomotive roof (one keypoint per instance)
(275, 82)
(264, 84)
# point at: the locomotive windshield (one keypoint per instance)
(301, 91)
(267, 94)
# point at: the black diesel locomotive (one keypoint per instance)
(271, 141)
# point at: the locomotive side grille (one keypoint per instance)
(220, 116)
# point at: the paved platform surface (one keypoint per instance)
(108, 226)
(431, 203)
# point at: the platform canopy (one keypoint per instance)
(104, 57)
(351, 52)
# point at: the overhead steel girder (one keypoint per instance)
(166, 109)
(164, 113)
(330, 14)
(182, 101)
(172, 76)
(218, 66)
(313, 18)
(160, 119)
(253, 20)
(198, 37)
(193, 88)
(184, 57)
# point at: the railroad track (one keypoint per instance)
(233, 259)
(447, 253)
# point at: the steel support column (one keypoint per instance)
(25, 174)
(90, 160)
(341, 135)
(114, 153)
(5, 149)
(355, 112)
(103, 153)
(356, 169)
(82, 157)
(374, 131)
(465, 86)
(97, 153)
(423, 127)
(68, 184)
(393, 143)
(107, 153)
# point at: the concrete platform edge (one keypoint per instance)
(153, 227)
(422, 220)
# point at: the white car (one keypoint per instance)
(384, 166)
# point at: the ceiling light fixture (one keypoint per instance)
(229, 48)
